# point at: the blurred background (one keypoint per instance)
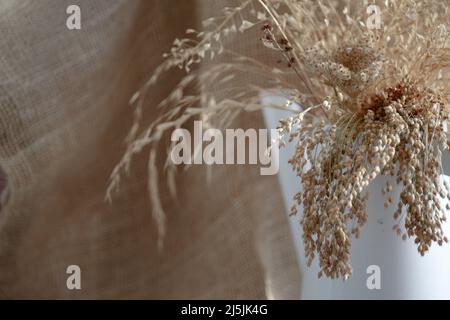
(64, 114)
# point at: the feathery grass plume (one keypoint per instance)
(374, 103)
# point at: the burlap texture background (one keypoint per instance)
(63, 116)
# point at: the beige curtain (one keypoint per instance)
(64, 114)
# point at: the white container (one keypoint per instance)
(404, 273)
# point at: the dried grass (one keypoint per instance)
(375, 102)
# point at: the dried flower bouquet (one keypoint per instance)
(374, 103)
